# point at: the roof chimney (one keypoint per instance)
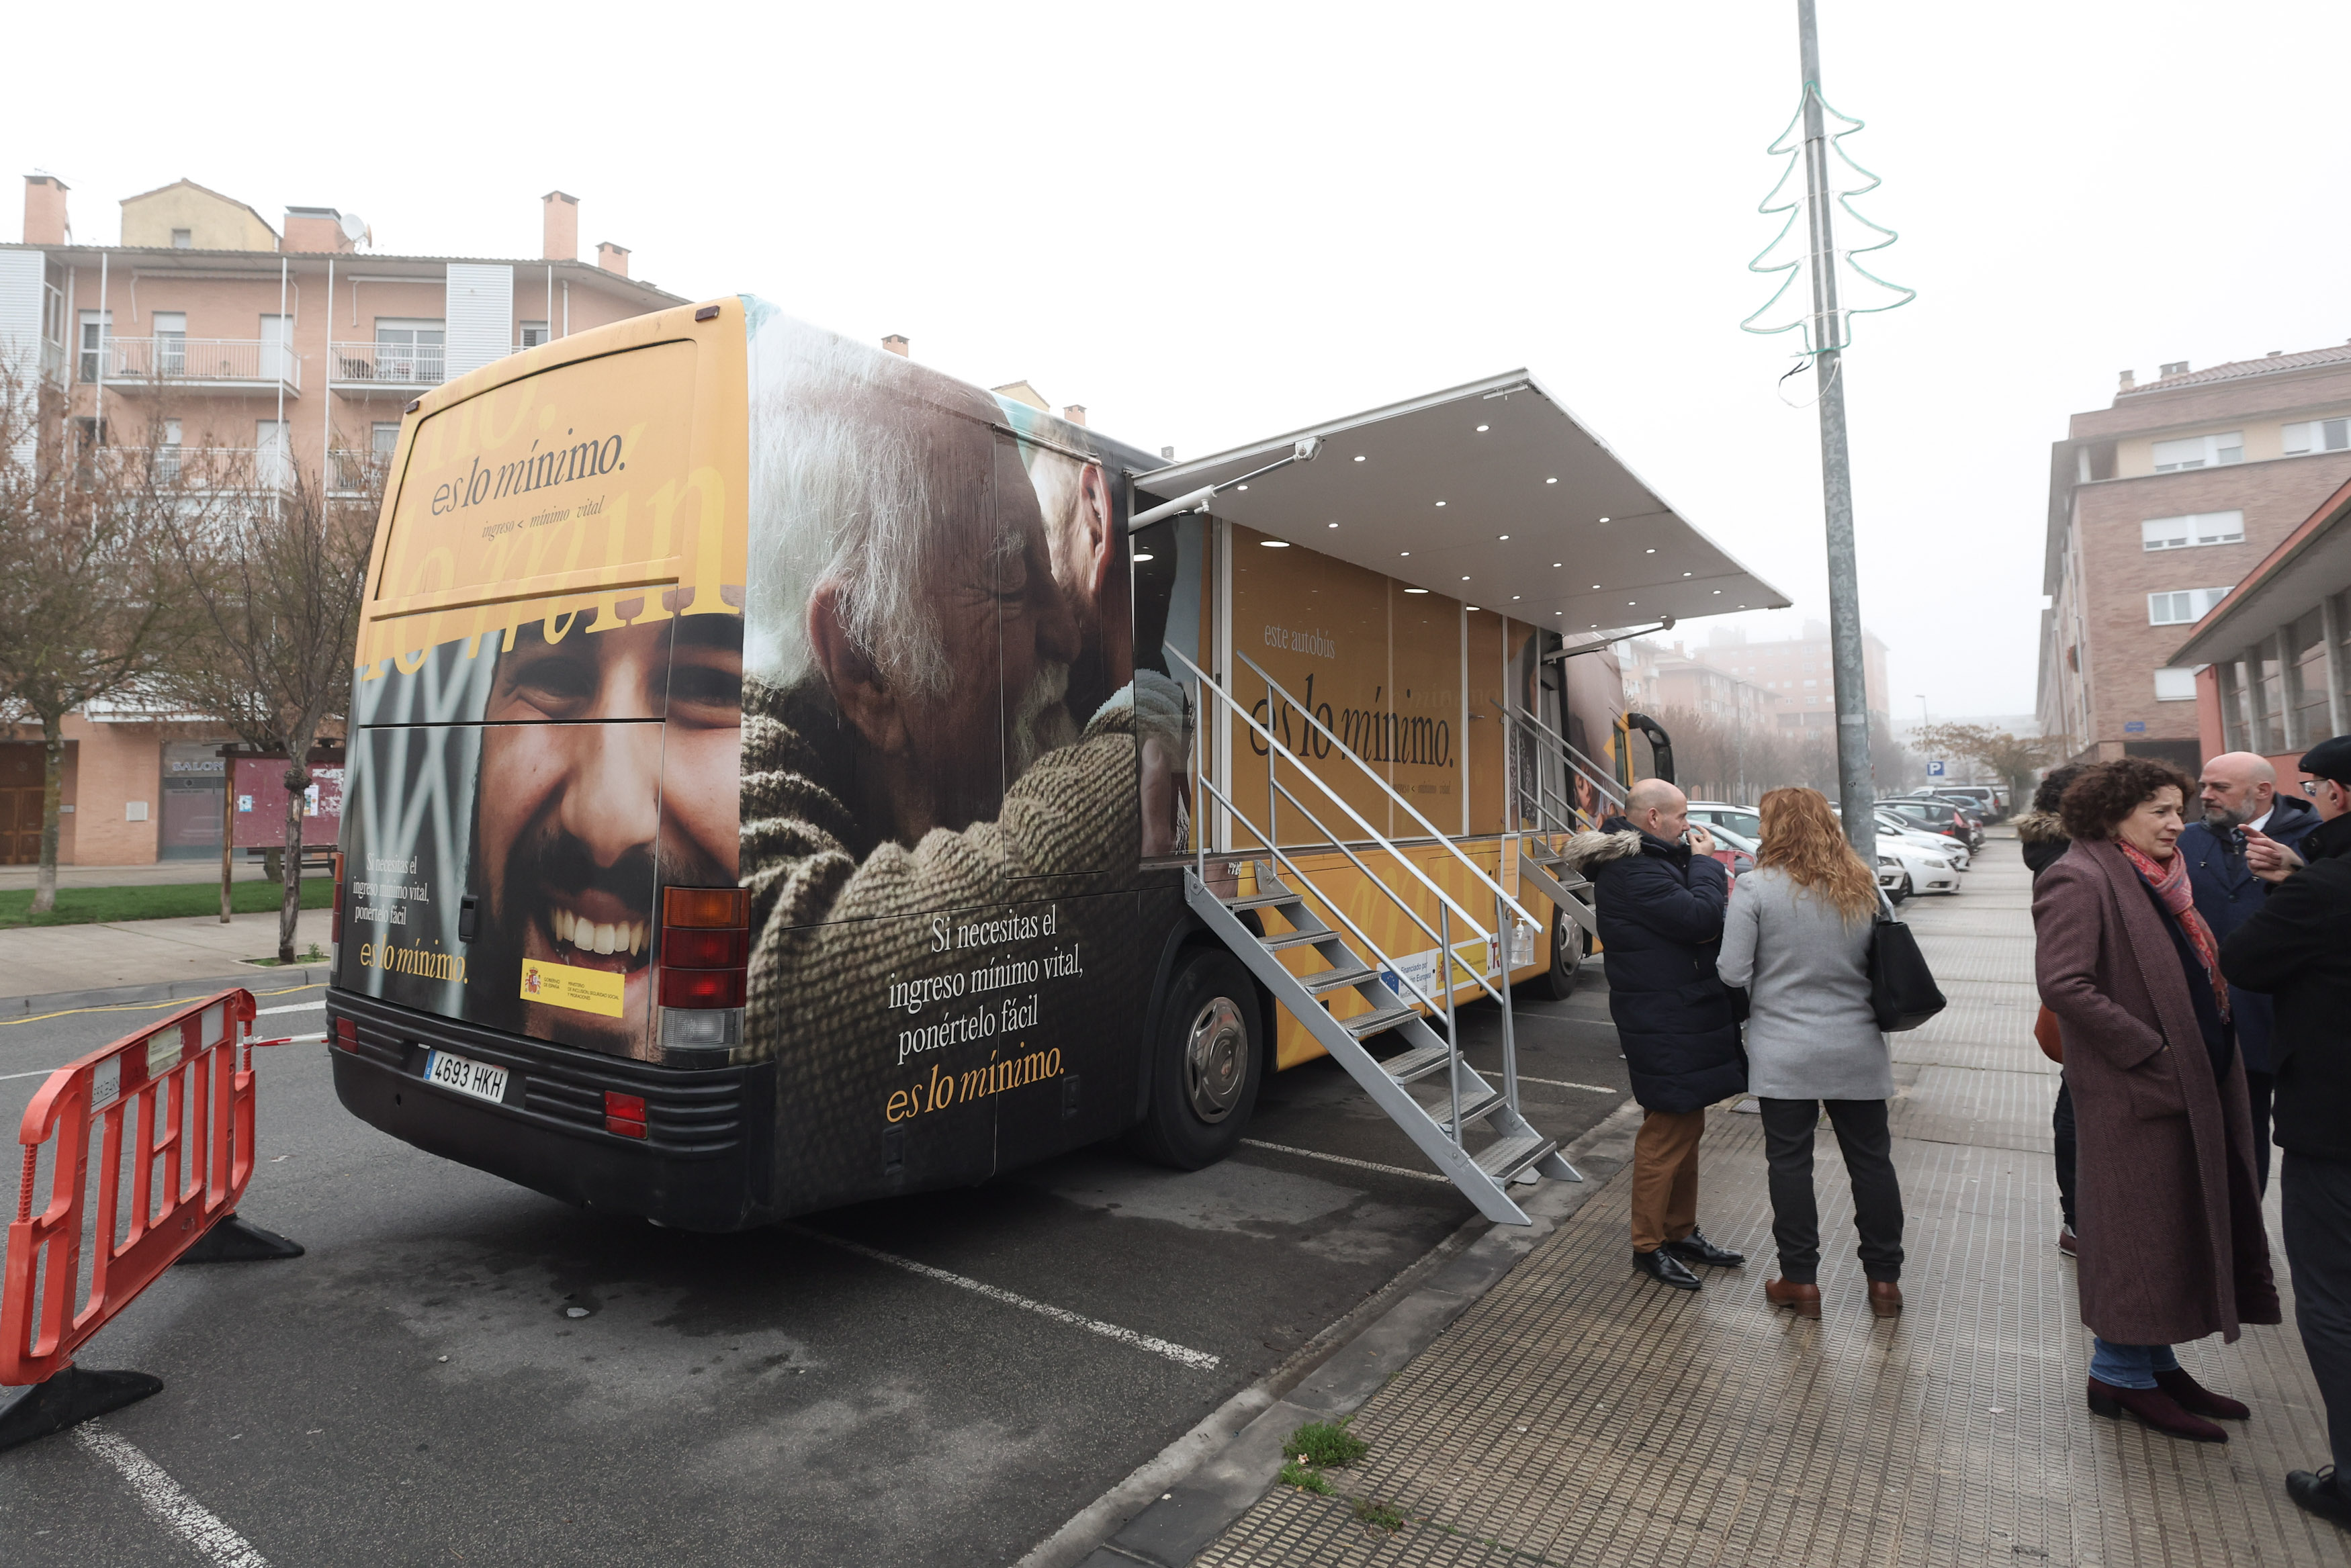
(315, 229)
(2127, 379)
(558, 227)
(612, 257)
(896, 345)
(1075, 413)
(2174, 367)
(45, 211)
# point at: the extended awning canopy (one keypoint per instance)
(1491, 493)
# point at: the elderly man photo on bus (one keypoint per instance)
(580, 801)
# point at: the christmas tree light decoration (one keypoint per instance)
(1796, 251)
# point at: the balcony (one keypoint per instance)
(355, 472)
(171, 363)
(384, 370)
(202, 468)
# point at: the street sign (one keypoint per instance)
(1935, 770)
(2135, 727)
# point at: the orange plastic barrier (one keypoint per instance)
(184, 1087)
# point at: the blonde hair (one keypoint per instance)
(1801, 837)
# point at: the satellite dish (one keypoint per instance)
(354, 227)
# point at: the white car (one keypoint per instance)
(1942, 844)
(1924, 870)
(1744, 821)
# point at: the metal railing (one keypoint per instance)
(1547, 739)
(201, 467)
(387, 364)
(354, 471)
(1498, 942)
(197, 361)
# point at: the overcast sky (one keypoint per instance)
(1212, 221)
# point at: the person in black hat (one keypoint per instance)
(2294, 949)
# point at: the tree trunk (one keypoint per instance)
(228, 832)
(289, 908)
(53, 779)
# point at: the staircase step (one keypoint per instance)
(1475, 1105)
(1506, 1156)
(1415, 1063)
(1332, 979)
(1276, 943)
(1264, 900)
(1370, 1023)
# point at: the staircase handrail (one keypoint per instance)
(1273, 742)
(1477, 872)
(1608, 788)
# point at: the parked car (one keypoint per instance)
(1923, 870)
(1733, 849)
(1892, 879)
(1987, 801)
(1953, 849)
(1742, 820)
(1938, 815)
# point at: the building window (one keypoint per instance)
(96, 325)
(409, 351)
(2177, 684)
(2196, 528)
(382, 437)
(2317, 435)
(2184, 606)
(171, 342)
(534, 333)
(167, 454)
(2200, 451)
(183, 239)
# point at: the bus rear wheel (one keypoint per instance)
(1569, 946)
(1206, 1064)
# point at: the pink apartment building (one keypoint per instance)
(293, 348)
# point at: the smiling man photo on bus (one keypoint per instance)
(583, 797)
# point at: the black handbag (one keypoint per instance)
(1902, 989)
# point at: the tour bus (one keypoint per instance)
(781, 775)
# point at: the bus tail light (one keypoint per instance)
(346, 1034)
(624, 1114)
(704, 956)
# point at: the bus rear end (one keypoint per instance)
(540, 941)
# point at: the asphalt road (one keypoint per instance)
(415, 1390)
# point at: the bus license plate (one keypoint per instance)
(466, 1076)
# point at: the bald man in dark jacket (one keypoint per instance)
(1660, 903)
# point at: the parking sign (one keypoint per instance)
(1934, 770)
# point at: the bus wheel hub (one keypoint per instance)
(1216, 1060)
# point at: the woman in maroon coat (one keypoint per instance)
(2172, 1246)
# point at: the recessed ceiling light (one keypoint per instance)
(1550, 482)
(1242, 487)
(1684, 574)
(1595, 585)
(1334, 525)
(1650, 551)
(1440, 503)
(1595, 625)
(1275, 543)
(1416, 590)
(1718, 593)
(1359, 457)
(1630, 603)
(1604, 519)
(1556, 564)
(1404, 552)
(1465, 579)
(1147, 555)
(1559, 612)
(1481, 429)
(1516, 597)
(1473, 607)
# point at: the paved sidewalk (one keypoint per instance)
(42, 961)
(1580, 1415)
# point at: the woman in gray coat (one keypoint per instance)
(1797, 935)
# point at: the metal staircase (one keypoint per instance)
(1465, 1104)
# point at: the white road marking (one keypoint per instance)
(1564, 1084)
(291, 1007)
(1199, 1360)
(173, 1508)
(36, 1073)
(1342, 1159)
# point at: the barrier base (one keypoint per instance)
(68, 1398)
(233, 1241)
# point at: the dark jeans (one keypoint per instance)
(1868, 1146)
(2317, 1202)
(2061, 1129)
(2258, 1086)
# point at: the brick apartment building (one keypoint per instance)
(1661, 679)
(207, 331)
(1796, 674)
(2160, 505)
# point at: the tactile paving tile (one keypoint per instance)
(1578, 1414)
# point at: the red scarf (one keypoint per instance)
(2170, 881)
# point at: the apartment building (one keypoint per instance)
(1797, 675)
(2159, 506)
(216, 338)
(1660, 679)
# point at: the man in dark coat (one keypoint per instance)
(2293, 948)
(2239, 791)
(1660, 903)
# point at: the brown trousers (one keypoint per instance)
(1664, 1177)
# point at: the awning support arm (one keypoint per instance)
(1198, 501)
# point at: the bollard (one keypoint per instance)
(173, 1103)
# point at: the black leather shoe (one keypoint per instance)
(1695, 1248)
(1666, 1269)
(2320, 1492)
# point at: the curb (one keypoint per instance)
(165, 990)
(1203, 1496)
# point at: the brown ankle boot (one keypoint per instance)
(1805, 1299)
(1884, 1299)
(2197, 1400)
(2156, 1408)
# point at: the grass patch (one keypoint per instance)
(314, 953)
(1299, 1475)
(167, 901)
(1326, 1445)
(1378, 1515)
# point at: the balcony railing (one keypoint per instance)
(196, 362)
(387, 364)
(203, 467)
(354, 471)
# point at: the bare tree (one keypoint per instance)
(2013, 758)
(87, 612)
(273, 592)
